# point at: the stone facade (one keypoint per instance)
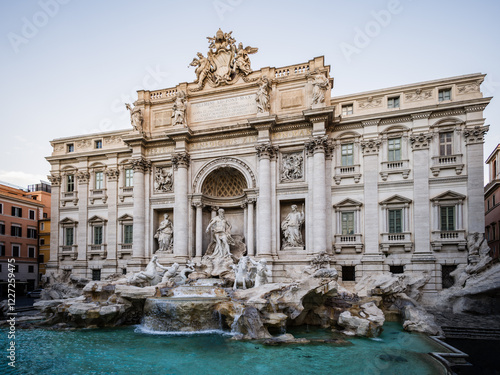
(388, 180)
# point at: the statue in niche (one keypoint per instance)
(292, 237)
(135, 117)
(164, 235)
(292, 167)
(242, 61)
(320, 85)
(262, 272)
(221, 230)
(179, 109)
(163, 180)
(203, 68)
(262, 96)
(150, 276)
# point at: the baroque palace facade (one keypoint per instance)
(387, 180)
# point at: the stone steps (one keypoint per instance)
(471, 333)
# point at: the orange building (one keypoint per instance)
(20, 212)
(492, 204)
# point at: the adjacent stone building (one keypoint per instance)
(492, 204)
(387, 180)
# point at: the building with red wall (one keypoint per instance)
(19, 214)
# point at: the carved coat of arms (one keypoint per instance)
(225, 62)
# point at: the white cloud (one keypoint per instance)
(21, 179)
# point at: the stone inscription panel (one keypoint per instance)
(223, 108)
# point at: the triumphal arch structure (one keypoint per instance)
(383, 181)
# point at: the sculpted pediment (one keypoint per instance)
(396, 199)
(348, 202)
(449, 195)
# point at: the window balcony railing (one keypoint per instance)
(396, 239)
(69, 196)
(348, 240)
(395, 167)
(97, 250)
(68, 251)
(447, 162)
(347, 171)
(125, 249)
(126, 191)
(98, 194)
(448, 237)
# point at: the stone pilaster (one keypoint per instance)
(421, 232)
(250, 228)
(140, 166)
(55, 180)
(370, 149)
(474, 139)
(199, 229)
(80, 267)
(264, 206)
(112, 229)
(181, 208)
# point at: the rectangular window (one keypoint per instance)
(97, 235)
(448, 218)
(99, 180)
(444, 94)
(1, 208)
(31, 233)
(493, 199)
(445, 143)
(124, 271)
(32, 215)
(395, 221)
(17, 211)
(129, 177)
(128, 233)
(347, 151)
(393, 102)
(70, 147)
(16, 250)
(98, 144)
(348, 273)
(16, 268)
(394, 147)
(96, 275)
(16, 231)
(446, 279)
(42, 241)
(2, 249)
(68, 236)
(347, 222)
(31, 269)
(347, 109)
(41, 258)
(397, 269)
(2, 228)
(70, 183)
(31, 252)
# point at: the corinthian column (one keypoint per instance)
(264, 246)
(319, 146)
(140, 166)
(199, 229)
(181, 207)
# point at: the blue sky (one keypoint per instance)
(68, 66)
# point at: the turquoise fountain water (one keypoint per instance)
(134, 350)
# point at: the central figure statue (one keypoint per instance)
(221, 231)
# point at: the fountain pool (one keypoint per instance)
(135, 350)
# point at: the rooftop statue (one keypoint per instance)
(224, 62)
(320, 85)
(136, 117)
(179, 109)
